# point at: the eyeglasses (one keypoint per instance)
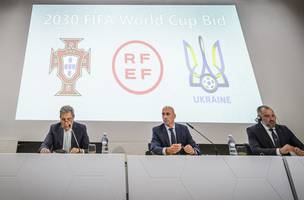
(69, 119)
(166, 113)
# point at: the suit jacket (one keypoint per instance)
(54, 139)
(261, 143)
(160, 139)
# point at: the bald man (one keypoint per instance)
(171, 138)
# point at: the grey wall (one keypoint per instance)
(273, 30)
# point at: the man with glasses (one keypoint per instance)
(171, 138)
(66, 136)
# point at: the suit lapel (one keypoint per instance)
(280, 135)
(178, 133)
(61, 137)
(73, 141)
(165, 134)
(263, 134)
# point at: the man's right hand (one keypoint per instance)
(173, 149)
(287, 149)
(45, 150)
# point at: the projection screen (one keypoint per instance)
(125, 62)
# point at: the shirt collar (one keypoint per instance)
(67, 132)
(167, 127)
(266, 127)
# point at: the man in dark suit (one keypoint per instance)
(171, 138)
(62, 135)
(268, 138)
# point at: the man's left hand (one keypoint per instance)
(299, 151)
(189, 149)
(75, 150)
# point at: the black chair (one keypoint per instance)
(209, 149)
(33, 146)
(28, 146)
(98, 146)
(223, 149)
(148, 152)
(243, 149)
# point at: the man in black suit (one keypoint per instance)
(268, 138)
(67, 135)
(171, 138)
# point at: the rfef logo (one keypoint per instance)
(208, 76)
(69, 62)
(137, 67)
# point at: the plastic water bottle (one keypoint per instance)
(104, 144)
(231, 144)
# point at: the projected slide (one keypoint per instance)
(125, 62)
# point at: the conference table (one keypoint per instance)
(139, 177)
(296, 167)
(62, 176)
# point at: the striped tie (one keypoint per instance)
(275, 138)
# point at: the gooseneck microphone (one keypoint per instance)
(201, 134)
(75, 137)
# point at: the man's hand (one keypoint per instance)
(45, 150)
(298, 151)
(287, 149)
(189, 149)
(173, 149)
(75, 150)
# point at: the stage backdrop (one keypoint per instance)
(125, 62)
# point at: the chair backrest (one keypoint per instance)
(33, 146)
(243, 149)
(28, 146)
(148, 152)
(98, 146)
(223, 149)
(208, 149)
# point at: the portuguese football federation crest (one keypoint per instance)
(69, 62)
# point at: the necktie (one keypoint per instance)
(275, 138)
(173, 139)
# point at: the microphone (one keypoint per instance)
(74, 137)
(201, 134)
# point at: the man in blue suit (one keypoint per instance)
(171, 138)
(67, 135)
(268, 138)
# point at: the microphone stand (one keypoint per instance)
(75, 139)
(201, 134)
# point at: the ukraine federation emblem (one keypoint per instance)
(69, 62)
(208, 76)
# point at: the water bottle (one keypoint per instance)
(104, 144)
(231, 144)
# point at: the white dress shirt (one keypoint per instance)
(67, 137)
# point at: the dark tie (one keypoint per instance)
(275, 138)
(173, 139)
